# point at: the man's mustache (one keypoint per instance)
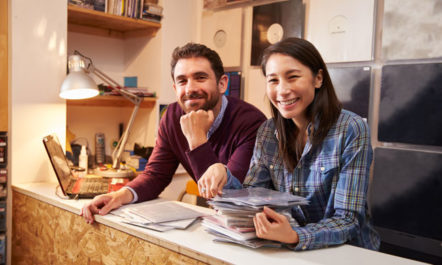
(194, 96)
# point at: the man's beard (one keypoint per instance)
(208, 105)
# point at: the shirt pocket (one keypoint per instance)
(322, 175)
(278, 175)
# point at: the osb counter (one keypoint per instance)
(48, 230)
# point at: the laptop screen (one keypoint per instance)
(58, 160)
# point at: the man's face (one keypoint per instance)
(195, 84)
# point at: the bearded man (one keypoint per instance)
(202, 128)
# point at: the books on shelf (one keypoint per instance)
(139, 9)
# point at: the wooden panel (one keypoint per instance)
(110, 101)
(92, 21)
(45, 234)
(3, 65)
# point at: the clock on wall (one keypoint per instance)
(220, 38)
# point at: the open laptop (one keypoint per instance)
(70, 185)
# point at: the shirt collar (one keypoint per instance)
(309, 129)
(219, 118)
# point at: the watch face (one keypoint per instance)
(275, 33)
(220, 38)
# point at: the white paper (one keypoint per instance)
(164, 211)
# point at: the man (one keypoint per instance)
(202, 128)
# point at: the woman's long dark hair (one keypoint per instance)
(324, 109)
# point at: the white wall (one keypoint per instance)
(179, 26)
(37, 68)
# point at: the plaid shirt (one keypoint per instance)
(334, 178)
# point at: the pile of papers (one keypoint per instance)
(236, 209)
(158, 215)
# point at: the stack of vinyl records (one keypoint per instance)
(235, 209)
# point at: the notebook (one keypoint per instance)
(70, 185)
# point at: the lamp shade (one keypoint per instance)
(77, 84)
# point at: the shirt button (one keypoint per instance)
(296, 189)
(271, 166)
(322, 168)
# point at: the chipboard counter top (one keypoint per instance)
(195, 243)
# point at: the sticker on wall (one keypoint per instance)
(221, 31)
(412, 29)
(274, 22)
(342, 30)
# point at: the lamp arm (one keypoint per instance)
(116, 154)
(115, 86)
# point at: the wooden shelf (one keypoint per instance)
(94, 22)
(110, 101)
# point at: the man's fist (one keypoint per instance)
(195, 126)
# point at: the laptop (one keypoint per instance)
(72, 186)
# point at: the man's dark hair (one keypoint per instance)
(324, 109)
(191, 50)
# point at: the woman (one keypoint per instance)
(311, 148)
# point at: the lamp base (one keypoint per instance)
(115, 173)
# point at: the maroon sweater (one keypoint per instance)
(231, 144)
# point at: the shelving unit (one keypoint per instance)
(94, 22)
(110, 101)
(121, 33)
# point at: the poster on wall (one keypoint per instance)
(222, 32)
(342, 30)
(274, 22)
(234, 85)
(404, 29)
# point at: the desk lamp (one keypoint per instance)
(79, 85)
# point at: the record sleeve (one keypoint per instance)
(222, 32)
(342, 30)
(274, 22)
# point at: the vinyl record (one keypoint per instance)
(274, 22)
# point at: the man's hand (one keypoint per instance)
(274, 226)
(104, 203)
(195, 126)
(212, 181)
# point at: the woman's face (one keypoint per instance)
(291, 86)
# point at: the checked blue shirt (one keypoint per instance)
(334, 178)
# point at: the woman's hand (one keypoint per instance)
(274, 226)
(212, 181)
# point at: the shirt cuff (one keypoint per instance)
(232, 182)
(134, 193)
(305, 239)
